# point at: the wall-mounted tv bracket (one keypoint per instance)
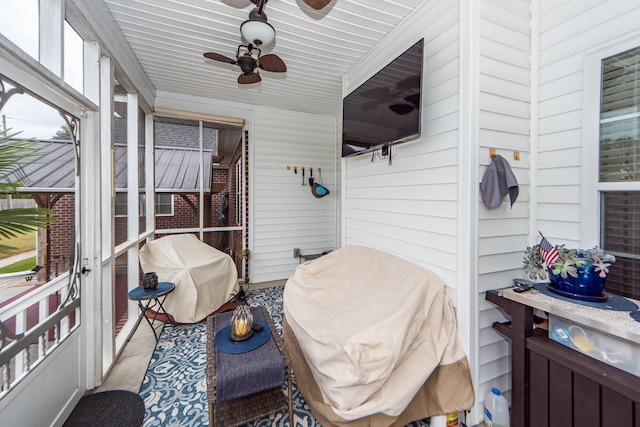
(384, 151)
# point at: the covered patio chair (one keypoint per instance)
(205, 278)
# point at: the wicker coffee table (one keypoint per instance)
(255, 406)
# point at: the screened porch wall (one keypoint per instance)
(283, 214)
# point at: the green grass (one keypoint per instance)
(22, 243)
(23, 265)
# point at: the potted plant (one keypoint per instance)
(577, 273)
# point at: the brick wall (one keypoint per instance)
(62, 235)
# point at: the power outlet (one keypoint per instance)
(296, 252)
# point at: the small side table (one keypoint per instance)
(255, 406)
(153, 299)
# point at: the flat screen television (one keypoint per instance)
(384, 110)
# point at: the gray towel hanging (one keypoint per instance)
(498, 180)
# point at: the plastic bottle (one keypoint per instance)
(449, 420)
(496, 409)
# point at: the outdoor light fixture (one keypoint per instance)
(257, 30)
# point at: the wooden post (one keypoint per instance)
(521, 329)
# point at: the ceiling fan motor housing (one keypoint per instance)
(247, 63)
(257, 15)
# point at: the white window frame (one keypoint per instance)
(142, 204)
(171, 200)
(592, 188)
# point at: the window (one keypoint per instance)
(619, 171)
(73, 58)
(19, 21)
(164, 204)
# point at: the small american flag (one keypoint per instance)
(548, 252)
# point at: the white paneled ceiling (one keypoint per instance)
(319, 47)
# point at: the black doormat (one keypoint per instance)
(115, 408)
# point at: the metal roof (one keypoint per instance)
(53, 170)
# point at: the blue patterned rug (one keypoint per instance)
(174, 388)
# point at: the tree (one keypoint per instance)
(63, 133)
(13, 154)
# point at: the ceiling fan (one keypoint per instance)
(258, 32)
(316, 4)
(249, 61)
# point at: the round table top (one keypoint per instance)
(141, 293)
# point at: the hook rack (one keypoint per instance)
(492, 153)
(295, 168)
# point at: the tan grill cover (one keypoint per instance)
(373, 329)
(204, 277)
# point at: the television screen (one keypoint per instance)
(386, 108)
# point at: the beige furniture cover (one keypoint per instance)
(205, 278)
(378, 336)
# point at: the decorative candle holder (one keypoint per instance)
(241, 324)
(150, 281)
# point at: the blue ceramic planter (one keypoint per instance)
(588, 284)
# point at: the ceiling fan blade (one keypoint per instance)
(414, 99)
(273, 63)
(245, 79)
(317, 4)
(409, 83)
(218, 57)
(401, 109)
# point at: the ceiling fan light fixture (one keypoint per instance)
(257, 32)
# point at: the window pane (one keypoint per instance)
(177, 156)
(19, 22)
(73, 58)
(619, 118)
(621, 237)
(164, 204)
(121, 204)
(120, 147)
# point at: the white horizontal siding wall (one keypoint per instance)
(409, 207)
(283, 213)
(415, 207)
(504, 97)
(571, 31)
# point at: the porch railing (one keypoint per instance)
(33, 326)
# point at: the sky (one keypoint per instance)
(22, 112)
